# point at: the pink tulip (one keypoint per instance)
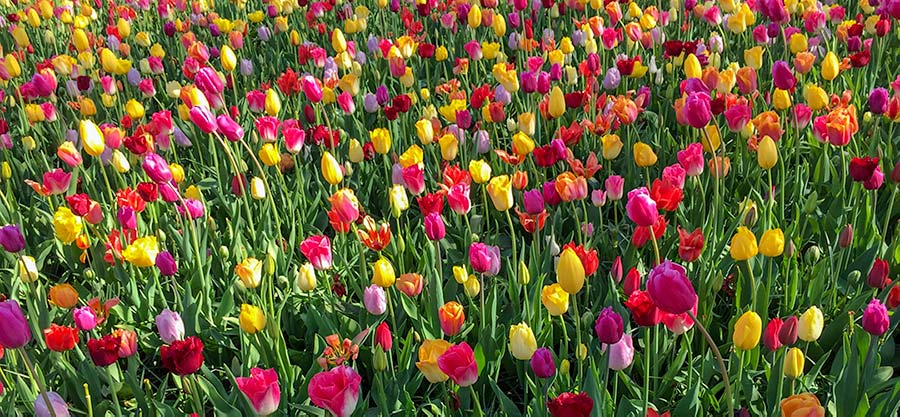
(375, 300)
(484, 259)
(615, 187)
(262, 389)
(674, 174)
(318, 250)
(57, 181)
(691, 159)
(414, 179)
(458, 362)
(458, 198)
(311, 87)
(336, 390)
(621, 353)
(875, 318)
(434, 226)
(670, 289)
(229, 128)
(204, 119)
(156, 168)
(294, 139)
(782, 76)
(641, 208)
(696, 110)
(737, 117)
(267, 127)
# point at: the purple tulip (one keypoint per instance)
(14, 330)
(609, 326)
(542, 363)
(670, 289)
(11, 238)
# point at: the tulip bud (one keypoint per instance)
(472, 286)
(846, 237)
(790, 249)
(524, 275)
(751, 215)
(793, 363)
(306, 277)
(564, 367)
(28, 269)
(812, 255)
(257, 188)
(811, 203)
(379, 359)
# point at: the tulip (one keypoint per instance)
(793, 363)
(830, 66)
(317, 249)
(63, 296)
(331, 169)
(375, 300)
(399, 201)
(252, 319)
(743, 245)
(261, 389)
(570, 272)
(91, 138)
(767, 153)
(696, 110)
(670, 289)
(345, 205)
(57, 403)
(772, 243)
(381, 138)
(336, 390)
(787, 335)
(747, 331)
(555, 299)
(250, 272)
(170, 326)
(875, 318)
(810, 325)
(458, 362)
(878, 101)
(484, 259)
(542, 363)
(557, 105)
(84, 318)
(621, 353)
(771, 338)
(802, 405)
(480, 171)
(429, 353)
(14, 329)
(11, 238)
(609, 326)
(614, 187)
(878, 275)
(782, 76)
(612, 146)
(104, 351)
(452, 317)
(434, 227)
(644, 155)
(568, 404)
(383, 273)
(641, 209)
(410, 284)
(306, 277)
(522, 343)
(500, 191)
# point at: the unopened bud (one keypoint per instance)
(751, 215)
(812, 255)
(811, 202)
(895, 173)
(524, 274)
(223, 251)
(379, 359)
(564, 367)
(790, 249)
(846, 237)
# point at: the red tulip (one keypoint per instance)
(666, 195)
(632, 281)
(568, 404)
(105, 350)
(642, 308)
(183, 357)
(771, 335)
(690, 245)
(383, 336)
(60, 338)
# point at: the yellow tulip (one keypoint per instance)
(399, 201)
(338, 42)
(522, 343)
(331, 169)
(692, 67)
(767, 153)
(228, 58)
(793, 363)
(425, 131)
(381, 139)
(252, 319)
(500, 191)
(460, 274)
(449, 147)
(273, 102)
(555, 299)
(429, 353)
(810, 325)
(781, 99)
(798, 43)
(474, 17)
(570, 272)
(830, 66)
(269, 154)
(306, 277)
(250, 272)
(66, 225)
(747, 331)
(480, 171)
(134, 109)
(91, 138)
(644, 155)
(557, 105)
(772, 243)
(816, 97)
(753, 57)
(142, 252)
(743, 245)
(612, 146)
(383, 273)
(522, 144)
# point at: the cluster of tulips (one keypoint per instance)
(235, 208)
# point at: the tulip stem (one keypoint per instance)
(40, 384)
(718, 355)
(646, 370)
(577, 334)
(752, 286)
(87, 399)
(113, 392)
(515, 254)
(887, 215)
(478, 411)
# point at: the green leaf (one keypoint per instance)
(506, 404)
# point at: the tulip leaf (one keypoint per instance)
(506, 404)
(689, 405)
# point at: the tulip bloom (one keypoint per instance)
(670, 289)
(57, 403)
(458, 362)
(570, 272)
(621, 353)
(690, 245)
(788, 332)
(500, 191)
(793, 363)
(875, 318)
(568, 404)
(743, 245)
(452, 317)
(770, 335)
(522, 343)
(11, 238)
(261, 389)
(336, 390)
(542, 363)
(810, 325)
(170, 326)
(609, 326)
(252, 319)
(772, 243)
(429, 353)
(641, 208)
(747, 331)
(555, 299)
(183, 357)
(60, 338)
(14, 329)
(484, 259)
(802, 405)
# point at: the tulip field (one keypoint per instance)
(383, 208)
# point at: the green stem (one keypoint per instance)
(718, 355)
(40, 384)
